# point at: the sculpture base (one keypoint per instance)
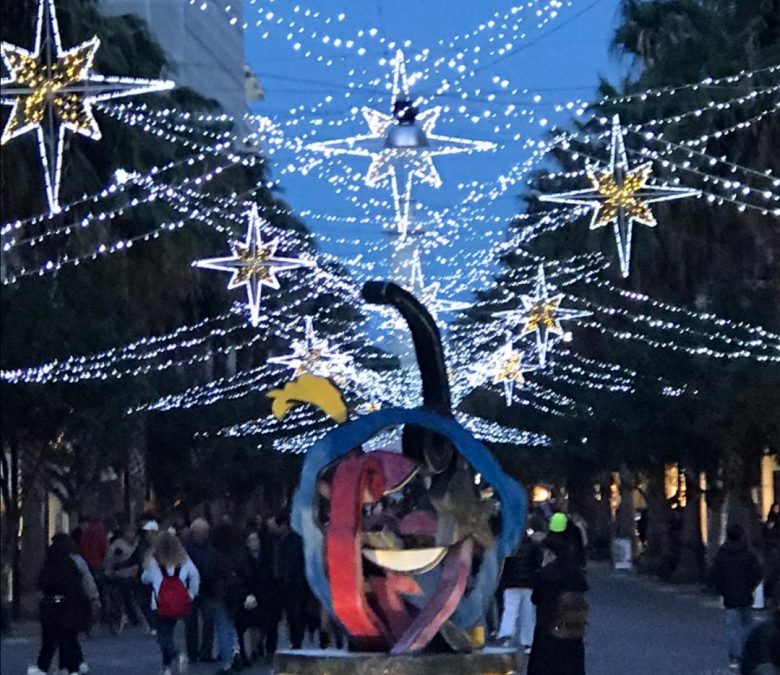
(492, 661)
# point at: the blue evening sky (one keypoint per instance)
(559, 62)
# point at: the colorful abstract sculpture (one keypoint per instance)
(405, 549)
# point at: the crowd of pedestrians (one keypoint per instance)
(231, 588)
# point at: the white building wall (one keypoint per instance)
(205, 46)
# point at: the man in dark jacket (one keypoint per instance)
(204, 556)
(517, 581)
(735, 573)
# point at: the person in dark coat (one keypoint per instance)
(288, 582)
(199, 625)
(735, 573)
(251, 613)
(518, 579)
(65, 608)
(231, 591)
(561, 609)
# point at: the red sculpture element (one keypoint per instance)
(359, 479)
(362, 479)
(388, 592)
(449, 591)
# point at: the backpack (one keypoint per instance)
(570, 617)
(173, 598)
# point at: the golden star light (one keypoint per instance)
(52, 90)
(542, 315)
(401, 146)
(254, 264)
(621, 196)
(508, 369)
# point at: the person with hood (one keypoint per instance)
(518, 579)
(65, 608)
(561, 608)
(735, 574)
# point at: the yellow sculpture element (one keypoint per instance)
(510, 370)
(51, 85)
(312, 389)
(542, 314)
(623, 196)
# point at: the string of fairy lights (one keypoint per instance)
(525, 351)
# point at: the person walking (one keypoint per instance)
(561, 608)
(122, 565)
(199, 626)
(147, 536)
(735, 574)
(230, 592)
(175, 583)
(65, 609)
(518, 579)
(287, 582)
(250, 615)
(761, 655)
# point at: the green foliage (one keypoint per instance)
(704, 257)
(148, 290)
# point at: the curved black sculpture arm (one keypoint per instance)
(418, 443)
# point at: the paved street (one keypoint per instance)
(638, 627)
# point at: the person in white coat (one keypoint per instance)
(170, 559)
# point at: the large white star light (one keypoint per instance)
(52, 90)
(542, 315)
(254, 264)
(401, 146)
(314, 356)
(620, 196)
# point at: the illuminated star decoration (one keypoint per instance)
(427, 294)
(253, 264)
(542, 314)
(401, 161)
(314, 356)
(620, 196)
(52, 90)
(509, 369)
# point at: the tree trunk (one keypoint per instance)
(739, 504)
(600, 519)
(689, 568)
(658, 540)
(716, 511)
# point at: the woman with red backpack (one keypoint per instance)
(175, 581)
